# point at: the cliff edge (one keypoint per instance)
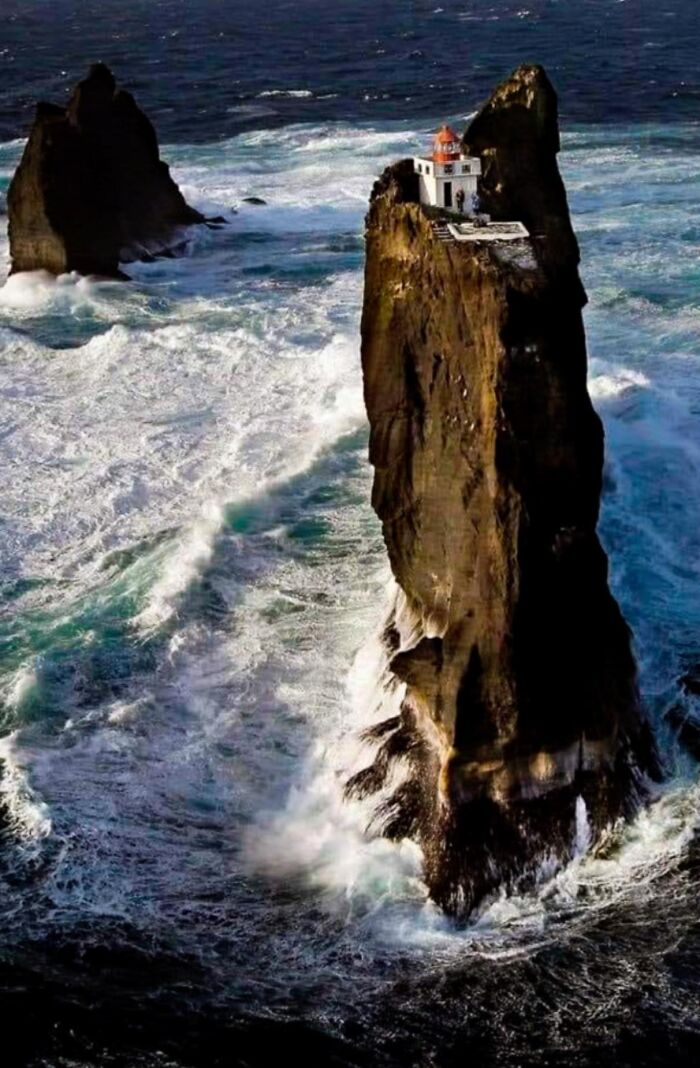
(91, 190)
(520, 737)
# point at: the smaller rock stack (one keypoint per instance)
(91, 190)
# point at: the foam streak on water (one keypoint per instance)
(192, 583)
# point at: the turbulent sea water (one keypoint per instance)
(190, 589)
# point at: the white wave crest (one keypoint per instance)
(193, 552)
(30, 290)
(26, 813)
(613, 383)
(20, 687)
(300, 94)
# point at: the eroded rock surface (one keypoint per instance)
(520, 685)
(91, 190)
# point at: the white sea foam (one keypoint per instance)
(582, 836)
(20, 686)
(193, 391)
(325, 835)
(31, 290)
(297, 93)
(326, 842)
(193, 552)
(137, 429)
(26, 813)
(137, 415)
(602, 386)
(629, 867)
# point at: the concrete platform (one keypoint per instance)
(491, 231)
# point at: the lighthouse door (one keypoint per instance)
(448, 194)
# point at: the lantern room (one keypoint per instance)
(446, 146)
(447, 177)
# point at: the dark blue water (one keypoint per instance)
(203, 69)
(191, 576)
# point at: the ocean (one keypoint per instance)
(192, 580)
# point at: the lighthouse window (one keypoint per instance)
(465, 168)
(420, 168)
(449, 168)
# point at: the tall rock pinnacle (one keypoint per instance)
(91, 190)
(520, 698)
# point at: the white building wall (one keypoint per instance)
(466, 182)
(466, 165)
(427, 189)
(432, 179)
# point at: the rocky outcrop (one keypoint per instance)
(91, 190)
(520, 734)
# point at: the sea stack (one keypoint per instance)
(520, 736)
(91, 191)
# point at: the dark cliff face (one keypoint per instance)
(91, 190)
(520, 689)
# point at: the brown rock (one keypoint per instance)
(91, 190)
(521, 689)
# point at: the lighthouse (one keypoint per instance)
(447, 178)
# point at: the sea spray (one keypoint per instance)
(23, 810)
(327, 836)
(582, 835)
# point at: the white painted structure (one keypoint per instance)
(488, 231)
(447, 178)
(439, 183)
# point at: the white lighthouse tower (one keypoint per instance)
(447, 178)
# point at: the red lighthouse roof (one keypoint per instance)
(446, 145)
